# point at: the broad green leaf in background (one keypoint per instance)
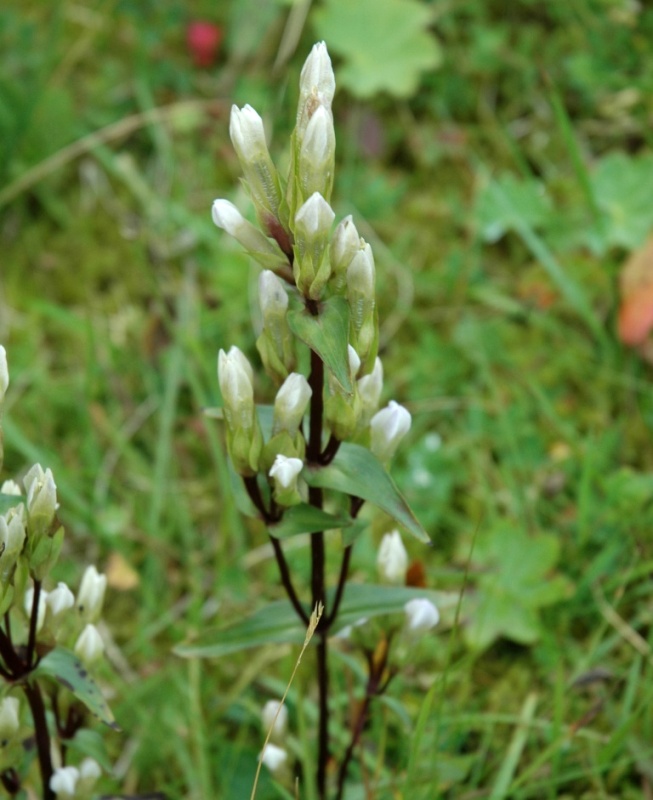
(8, 501)
(66, 669)
(306, 519)
(515, 581)
(356, 471)
(385, 44)
(622, 188)
(327, 334)
(278, 622)
(505, 202)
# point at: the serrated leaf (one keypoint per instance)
(8, 501)
(328, 335)
(278, 622)
(395, 49)
(303, 518)
(516, 581)
(67, 670)
(357, 472)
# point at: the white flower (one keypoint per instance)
(361, 273)
(91, 594)
(392, 558)
(319, 142)
(421, 615)
(370, 387)
(285, 471)
(354, 361)
(314, 218)
(273, 757)
(226, 216)
(388, 427)
(275, 716)
(290, 403)
(89, 646)
(9, 721)
(345, 242)
(41, 498)
(272, 296)
(64, 782)
(60, 599)
(235, 376)
(247, 133)
(12, 534)
(89, 772)
(317, 76)
(4, 374)
(10, 487)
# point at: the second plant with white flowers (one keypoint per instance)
(309, 462)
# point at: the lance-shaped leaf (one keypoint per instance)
(357, 472)
(278, 623)
(328, 335)
(307, 519)
(66, 669)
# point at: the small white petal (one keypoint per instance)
(392, 558)
(274, 757)
(275, 716)
(421, 615)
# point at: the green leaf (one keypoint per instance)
(515, 582)
(66, 669)
(328, 335)
(8, 501)
(395, 49)
(278, 622)
(357, 472)
(506, 202)
(306, 519)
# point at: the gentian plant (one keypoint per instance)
(309, 462)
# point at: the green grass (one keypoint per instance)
(498, 255)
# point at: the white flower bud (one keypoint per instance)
(226, 216)
(275, 716)
(64, 782)
(10, 487)
(317, 155)
(285, 471)
(388, 427)
(345, 243)
(354, 361)
(273, 757)
(247, 133)
(235, 376)
(314, 218)
(89, 646)
(317, 76)
(12, 533)
(421, 615)
(89, 772)
(9, 720)
(60, 599)
(91, 594)
(360, 276)
(29, 604)
(41, 498)
(290, 403)
(272, 296)
(392, 558)
(370, 387)
(4, 374)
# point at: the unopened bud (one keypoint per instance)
(345, 243)
(290, 404)
(266, 251)
(89, 772)
(274, 716)
(41, 499)
(89, 646)
(91, 594)
(247, 133)
(235, 377)
(354, 361)
(312, 268)
(317, 76)
(64, 782)
(4, 374)
(60, 599)
(273, 298)
(370, 388)
(10, 487)
(285, 471)
(274, 757)
(9, 719)
(388, 427)
(12, 538)
(392, 558)
(29, 606)
(317, 154)
(421, 615)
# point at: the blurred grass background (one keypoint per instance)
(499, 159)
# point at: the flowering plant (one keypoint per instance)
(311, 461)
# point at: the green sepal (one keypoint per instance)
(357, 472)
(66, 669)
(45, 554)
(8, 594)
(328, 335)
(307, 519)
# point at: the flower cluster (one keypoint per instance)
(307, 267)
